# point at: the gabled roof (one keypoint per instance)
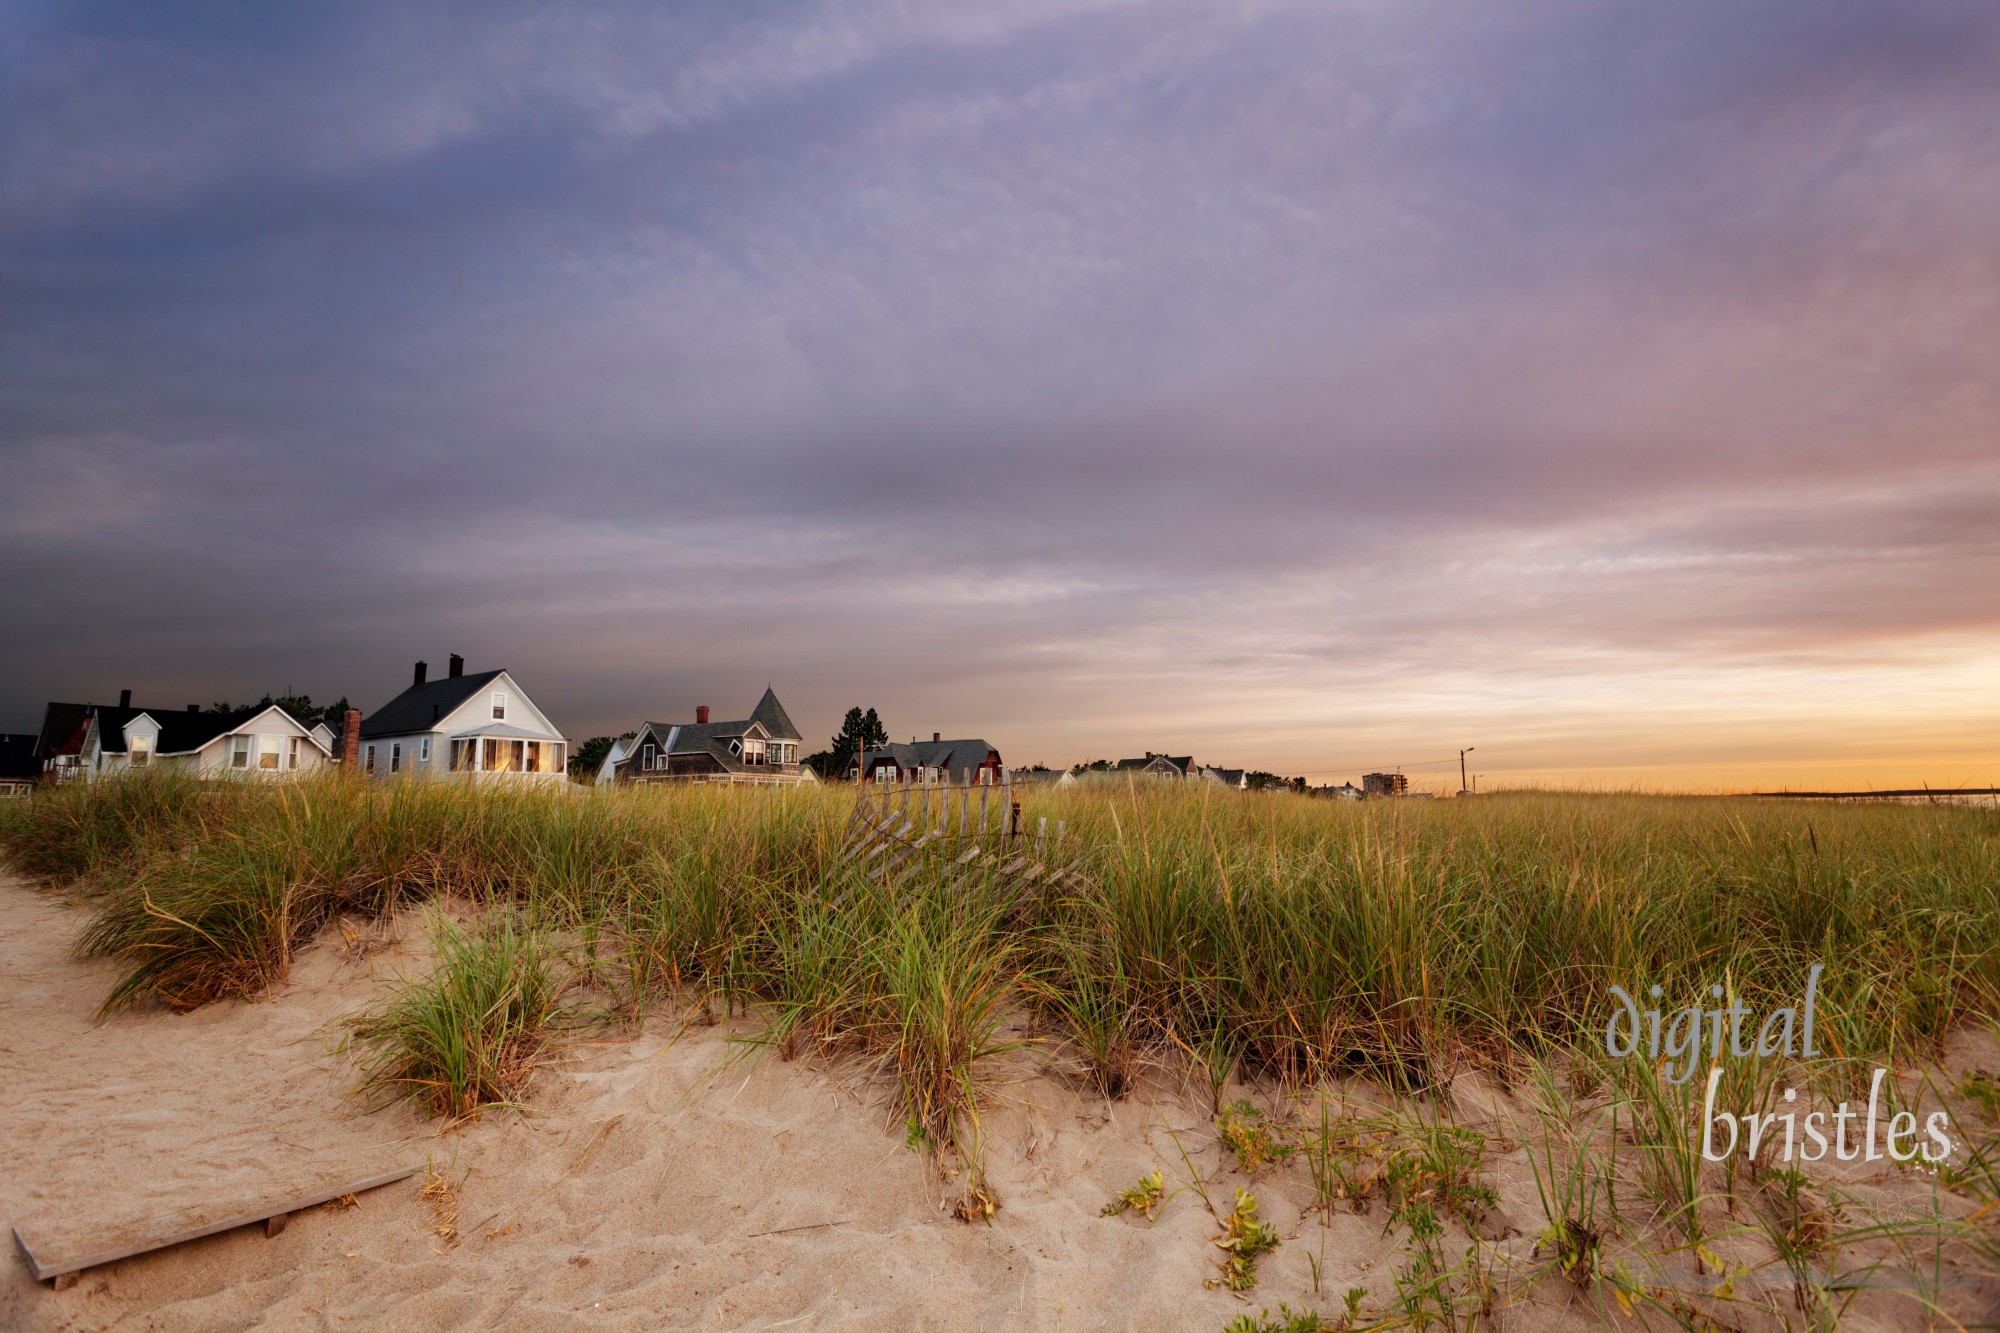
(710, 738)
(422, 707)
(181, 731)
(774, 717)
(60, 725)
(952, 757)
(1180, 763)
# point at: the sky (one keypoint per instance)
(1317, 387)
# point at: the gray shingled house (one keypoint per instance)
(970, 760)
(763, 747)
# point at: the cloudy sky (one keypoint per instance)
(1312, 386)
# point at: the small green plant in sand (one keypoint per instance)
(1248, 1132)
(468, 1034)
(1244, 1240)
(1287, 1320)
(1405, 1159)
(1982, 1090)
(1143, 1198)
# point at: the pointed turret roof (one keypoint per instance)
(774, 717)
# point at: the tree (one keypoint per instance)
(857, 729)
(300, 706)
(587, 758)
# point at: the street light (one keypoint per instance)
(1462, 788)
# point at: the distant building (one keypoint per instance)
(1158, 765)
(1226, 777)
(1043, 777)
(938, 760)
(481, 727)
(81, 742)
(763, 747)
(1384, 784)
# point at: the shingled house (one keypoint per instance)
(481, 727)
(1158, 766)
(936, 760)
(763, 747)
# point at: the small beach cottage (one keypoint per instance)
(481, 727)
(968, 760)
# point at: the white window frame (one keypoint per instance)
(424, 750)
(499, 705)
(368, 763)
(292, 753)
(648, 759)
(239, 752)
(268, 748)
(396, 757)
(139, 751)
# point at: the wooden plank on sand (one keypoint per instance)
(51, 1270)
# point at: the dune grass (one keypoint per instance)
(468, 1034)
(1295, 938)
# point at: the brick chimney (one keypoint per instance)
(701, 715)
(350, 740)
(936, 736)
(124, 698)
(457, 666)
(423, 669)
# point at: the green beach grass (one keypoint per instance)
(1283, 936)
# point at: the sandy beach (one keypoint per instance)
(671, 1179)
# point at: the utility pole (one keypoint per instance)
(1462, 786)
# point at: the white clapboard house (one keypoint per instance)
(87, 741)
(482, 727)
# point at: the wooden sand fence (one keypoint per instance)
(963, 832)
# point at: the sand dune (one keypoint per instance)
(673, 1180)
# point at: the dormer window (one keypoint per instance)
(499, 705)
(141, 751)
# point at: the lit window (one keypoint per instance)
(492, 757)
(499, 705)
(518, 756)
(141, 751)
(534, 757)
(555, 750)
(267, 752)
(239, 753)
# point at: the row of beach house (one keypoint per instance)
(484, 727)
(477, 726)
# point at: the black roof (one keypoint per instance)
(952, 757)
(420, 707)
(185, 732)
(17, 755)
(181, 731)
(59, 723)
(774, 717)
